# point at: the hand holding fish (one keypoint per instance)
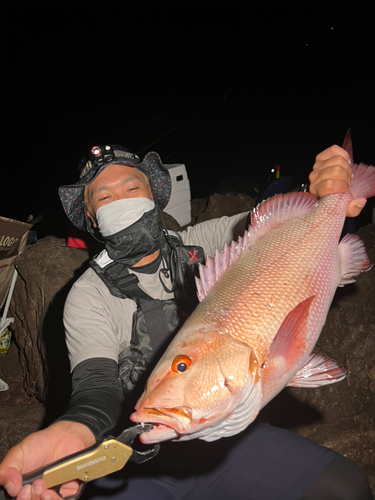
(332, 174)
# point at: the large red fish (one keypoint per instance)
(264, 301)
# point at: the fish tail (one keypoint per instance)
(363, 181)
(364, 177)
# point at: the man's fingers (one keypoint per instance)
(333, 151)
(25, 493)
(331, 172)
(38, 491)
(330, 176)
(70, 488)
(335, 164)
(355, 207)
(37, 488)
(329, 186)
(11, 489)
(12, 480)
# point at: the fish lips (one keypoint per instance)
(177, 419)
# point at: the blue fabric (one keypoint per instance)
(263, 462)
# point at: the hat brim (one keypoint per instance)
(72, 196)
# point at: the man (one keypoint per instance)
(112, 335)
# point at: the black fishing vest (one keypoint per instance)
(154, 321)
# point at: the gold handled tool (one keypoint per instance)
(97, 461)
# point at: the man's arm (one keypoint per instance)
(215, 233)
(97, 396)
(94, 409)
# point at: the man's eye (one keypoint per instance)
(104, 198)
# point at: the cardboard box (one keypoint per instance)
(179, 205)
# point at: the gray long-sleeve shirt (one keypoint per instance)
(98, 325)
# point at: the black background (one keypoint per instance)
(226, 88)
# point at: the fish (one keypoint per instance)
(264, 300)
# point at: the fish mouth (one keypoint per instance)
(177, 419)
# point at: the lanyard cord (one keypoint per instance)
(175, 270)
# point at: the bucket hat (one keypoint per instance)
(72, 196)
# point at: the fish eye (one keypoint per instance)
(181, 364)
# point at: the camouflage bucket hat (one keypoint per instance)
(72, 196)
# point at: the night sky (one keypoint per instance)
(227, 89)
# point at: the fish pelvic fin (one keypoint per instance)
(353, 258)
(269, 214)
(317, 371)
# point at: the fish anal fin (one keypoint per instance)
(290, 340)
(353, 258)
(317, 371)
(281, 208)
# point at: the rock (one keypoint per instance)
(19, 415)
(46, 272)
(170, 222)
(219, 205)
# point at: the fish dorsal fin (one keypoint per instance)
(317, 371)
(216, 266)
(269, 214)
(281, 208)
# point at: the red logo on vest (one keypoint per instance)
(193, 256)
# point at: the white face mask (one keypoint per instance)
(120, 214)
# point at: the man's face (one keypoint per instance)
(116, 182)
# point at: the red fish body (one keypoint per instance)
(264, 301)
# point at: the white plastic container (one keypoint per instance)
(179, 205)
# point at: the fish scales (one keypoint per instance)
(258, 320)
(280, 258)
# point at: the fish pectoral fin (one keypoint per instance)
(289, 343)
(317, 371)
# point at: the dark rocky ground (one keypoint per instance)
(20, 414)
(340, 416)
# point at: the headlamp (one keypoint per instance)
(101, 154)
